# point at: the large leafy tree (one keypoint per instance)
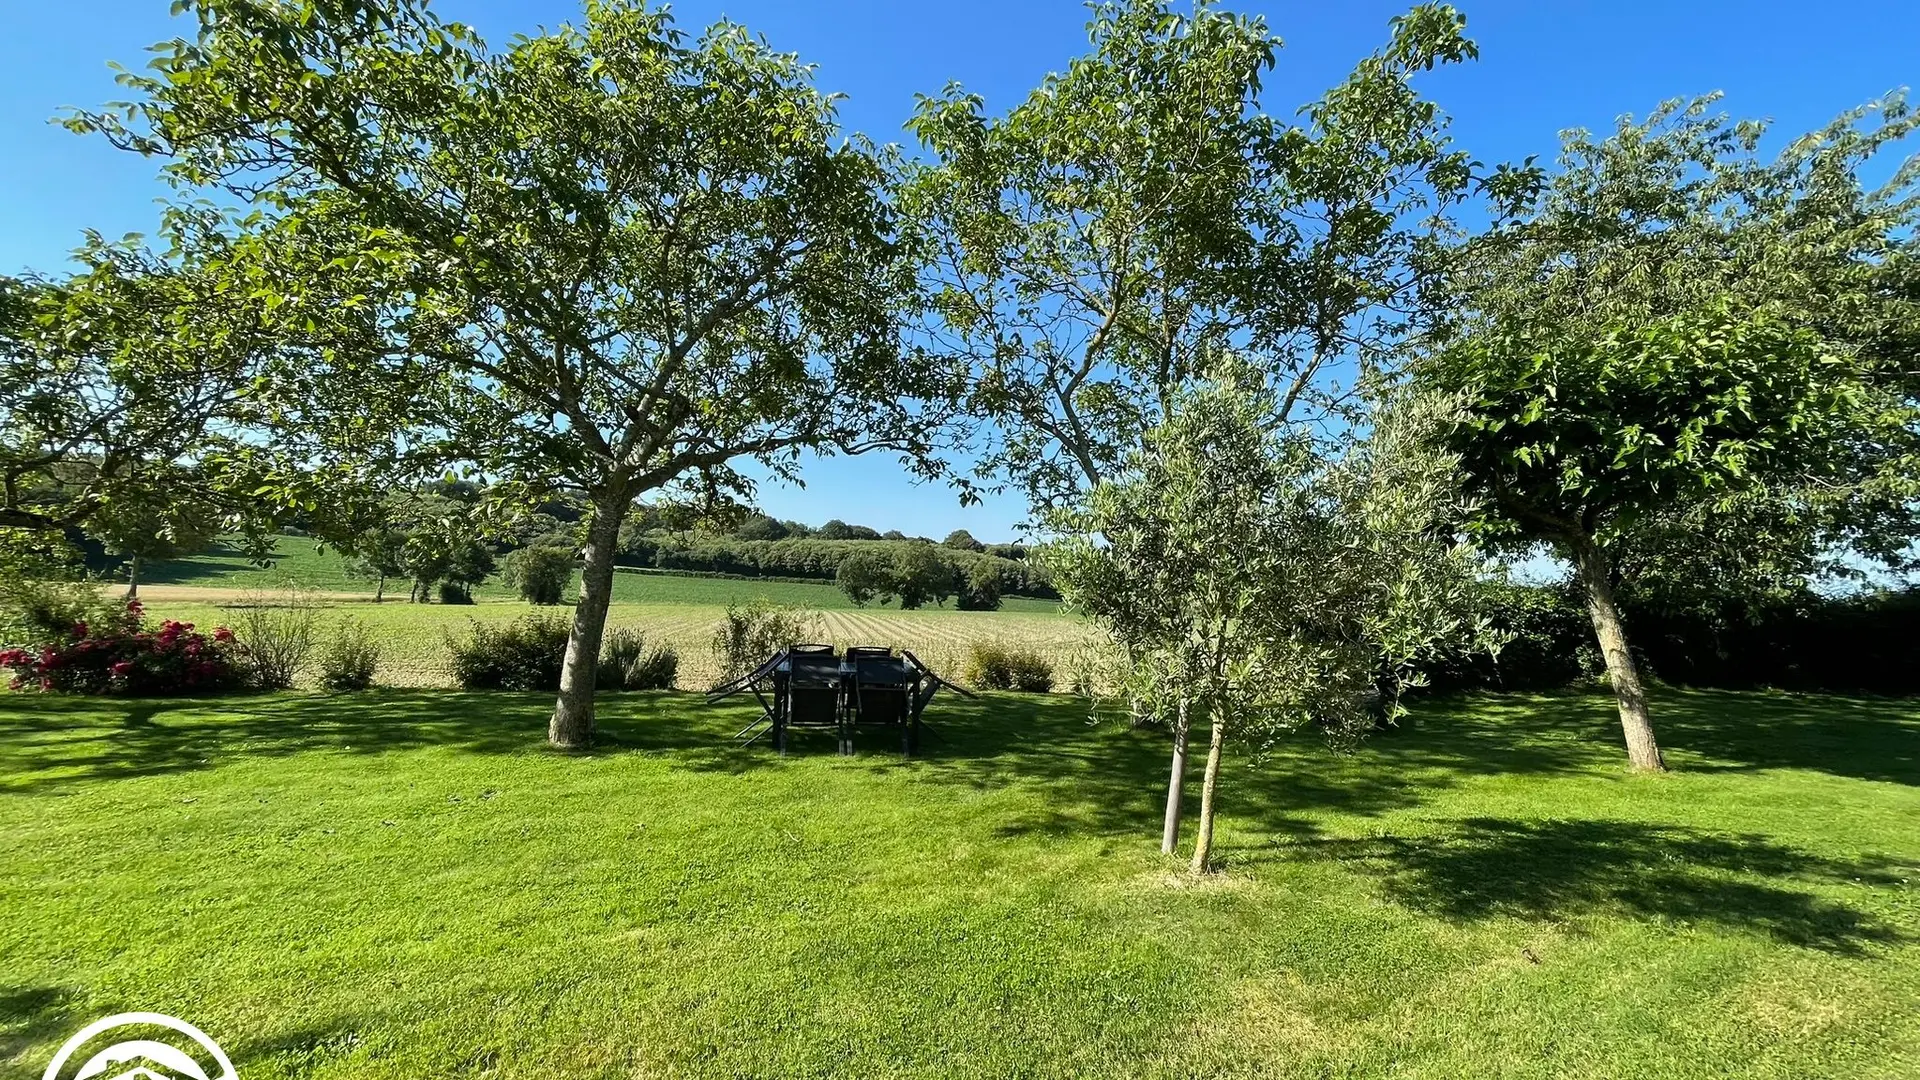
(1577, 443)
(631, 259)
(136, 391)
(1095, 248)
(1263, 580)
(1690, 366)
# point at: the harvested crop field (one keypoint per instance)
(414, 636)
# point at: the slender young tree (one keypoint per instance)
(1261, 580)
(1094, 250)
(629, 258)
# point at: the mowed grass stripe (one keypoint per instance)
(406, 884)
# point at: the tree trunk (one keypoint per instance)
(133, 578)
(572, 724)
(1176, 783)
(1203, 844)
(1138, 715)
(1611, 631)
(379, 588)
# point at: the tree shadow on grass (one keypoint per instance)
(1865, 738)
(1483, 868)
(34, 1015)
(1102, 776)
(201, 571)
(49, 741)
(52, 741)
(1110, 778)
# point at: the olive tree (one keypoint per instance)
(1262, 580)
(628, 259)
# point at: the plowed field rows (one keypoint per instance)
(414, 636)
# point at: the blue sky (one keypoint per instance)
(1545, 65)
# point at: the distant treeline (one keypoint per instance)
(820, 560)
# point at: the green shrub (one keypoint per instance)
(621, 647)
(754, 631)
(627, 664)
(980, 589)
(526, 654)
(279, 632)
(541, 574)
(995, 666)
(453, 592)
(35, 613)
(119, 655)
(350, 658)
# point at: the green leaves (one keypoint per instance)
(614, 257)
(1673, 328)
(1677, 410)
(1265, 579)
(1095, 248)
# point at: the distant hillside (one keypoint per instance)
(301, 562)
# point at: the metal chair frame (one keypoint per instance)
(856, 698)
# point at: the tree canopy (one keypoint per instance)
(1684, 360)
(1099, 245)
(610, 258)
(137, 394)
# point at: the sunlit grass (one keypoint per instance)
(413, 637)
(405, 884)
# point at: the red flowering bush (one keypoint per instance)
(125, 657)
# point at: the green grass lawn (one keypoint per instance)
(404, 884)
(302, 562)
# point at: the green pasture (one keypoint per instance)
(305, 563)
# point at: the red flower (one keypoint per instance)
(222, 634)
(120, 669)
(80, 629)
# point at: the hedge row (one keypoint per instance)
(1868, 642)
(811, 560)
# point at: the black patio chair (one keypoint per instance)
(812, 686)
(814, 693)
